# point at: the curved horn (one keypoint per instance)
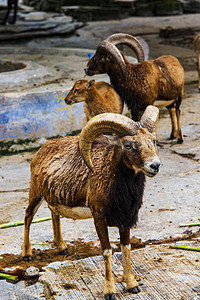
(106, 123)
(129, 40)
(149, 119)
(106, 47)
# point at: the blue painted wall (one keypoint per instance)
(36, 115)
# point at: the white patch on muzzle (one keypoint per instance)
(151, 168)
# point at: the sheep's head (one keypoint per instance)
(136, 139)
(79, 91)
(107, 56)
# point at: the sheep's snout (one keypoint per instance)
(68, 101)
(152, 168)
(88, 72)
(155, 167)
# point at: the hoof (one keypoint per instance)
(134, 290)
(109, 297)
(27, 258)
(173, 137)
(63, 252)
(180, 141)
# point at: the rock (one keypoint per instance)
(190, 7)
(45, 5)
(168, 8)
(157, 7)
(60, 19)
(32, 272)
(36, 16)
(170, 32)
(51, 26)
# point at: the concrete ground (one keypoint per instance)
(171, 198)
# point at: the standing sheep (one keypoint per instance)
(80, 178)
(98, 97)
(10, 3)
(141, 84)
(196, 44)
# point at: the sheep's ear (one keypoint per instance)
(91, 83)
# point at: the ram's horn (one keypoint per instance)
(108, 48)
(149, 119)
(106, 123)
(129, 40)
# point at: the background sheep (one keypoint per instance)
(196, 44)
(141, 84)
(10, 4)
(98, 97)
(111, 193)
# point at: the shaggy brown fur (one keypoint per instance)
(60, 176)
(144, 83)
(112, 195)
(51, 168)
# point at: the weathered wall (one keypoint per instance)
(35, 115)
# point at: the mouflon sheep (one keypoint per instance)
(82, 178)
(98, 97)
(10, 3)
(196, 44)
(143, 83)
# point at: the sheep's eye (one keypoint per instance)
(128, 147)
(108, 58)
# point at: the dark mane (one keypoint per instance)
(125, 93)
(125, 198)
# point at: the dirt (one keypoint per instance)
(77, 250)
(13, 264)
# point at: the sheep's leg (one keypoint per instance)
(173, 117)
(129, 278)
(7, 13)
(15, 13)
(58, 239)
(102, 231)
(178, 115)
(30, 212)
(179, 134)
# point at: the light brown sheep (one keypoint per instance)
(196, 44)
(98, 97)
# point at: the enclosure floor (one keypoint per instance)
(162, 273)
